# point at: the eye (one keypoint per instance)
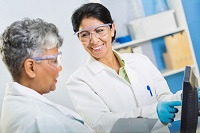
(54, 61)
(99, 30)
(84, 34)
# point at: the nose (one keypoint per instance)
(93, 38)
(60, 68)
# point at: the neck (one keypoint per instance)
(29, 83)
(111, 61)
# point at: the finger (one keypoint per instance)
(171, 120)
(171, 116)
(173, 110)
(174, 103)
(166, 121)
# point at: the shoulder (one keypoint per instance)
(88, 70)
(19, 110)
(81, 71)
(24, 106)
(130, 57)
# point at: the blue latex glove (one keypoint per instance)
(198, 89)
(166, 111)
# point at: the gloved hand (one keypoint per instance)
(166, 111)
(198, 90)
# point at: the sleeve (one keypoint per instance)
(51, 124)
(161, 87)
(44, 124)
(92, 108)
(163, 92)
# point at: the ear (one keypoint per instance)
(30, 68)
(113, 30)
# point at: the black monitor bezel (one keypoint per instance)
(189, 112)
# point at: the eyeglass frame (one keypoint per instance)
(92, 27)
(58, 57)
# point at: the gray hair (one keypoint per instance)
(27, 39)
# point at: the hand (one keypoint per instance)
(198, 90)
(166, 111)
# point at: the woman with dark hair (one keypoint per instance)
(112, 85)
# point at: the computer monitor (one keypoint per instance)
(189, 114)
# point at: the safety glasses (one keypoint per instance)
(98, 30)
(54, 60)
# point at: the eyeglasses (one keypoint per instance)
(99, 31)
(54, 60)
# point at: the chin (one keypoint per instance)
(99, 55)
(52, 88)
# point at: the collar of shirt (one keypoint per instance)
(122, 71)
(95, 66)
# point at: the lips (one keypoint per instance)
(97, 48)
(55, 80)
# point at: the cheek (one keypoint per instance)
(107, 39)
(53, 72)
(86, 46)
(50, 72)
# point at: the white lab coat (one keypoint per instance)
(101, 96)
(26, 111)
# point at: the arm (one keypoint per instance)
(161, 87)
(51, 124)
(165, 109)
(93, 109)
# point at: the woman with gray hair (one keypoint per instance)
(30, 51)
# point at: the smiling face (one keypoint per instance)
(98, 47)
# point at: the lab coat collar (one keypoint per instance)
(95, 66)
(13, 88)
(126, 57)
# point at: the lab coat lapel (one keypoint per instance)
(94, 65)
(132, 75)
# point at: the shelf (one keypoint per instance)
(166, 73)
(136, 42)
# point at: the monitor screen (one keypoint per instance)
(189, 114)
